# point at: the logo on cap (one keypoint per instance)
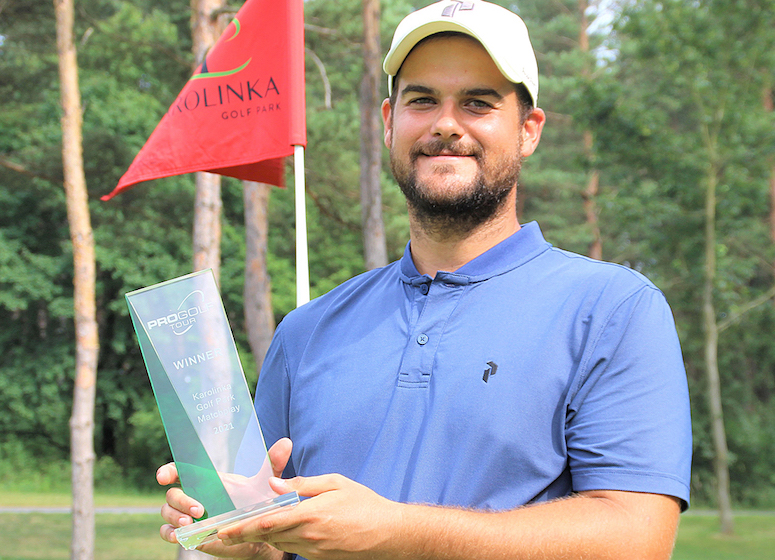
(450, 10)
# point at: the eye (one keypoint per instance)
(478, 105)
(421, 101)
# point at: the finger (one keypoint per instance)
(279, 454)
(307, 486)
(280, 485)
(263, 528)
(179, 501)
(167, 474)
(175, 517)
(167, 533)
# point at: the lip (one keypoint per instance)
(435, 163)
(447, 156)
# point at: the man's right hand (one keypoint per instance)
(181, 510)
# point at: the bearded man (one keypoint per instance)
(487, 395)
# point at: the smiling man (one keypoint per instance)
(457, 131)
(487, 395)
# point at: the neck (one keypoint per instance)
(435, 251)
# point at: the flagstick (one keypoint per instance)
(302, 257)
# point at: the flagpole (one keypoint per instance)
(302, 256)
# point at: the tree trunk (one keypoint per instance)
(207, 223)
(769, 107)
(207, 205)
(258, 292)
(207, 254)
(86, 336)
(711, 358)
(589, 194)
(205, 30)
(374, 245)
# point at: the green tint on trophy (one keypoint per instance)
(203, 398)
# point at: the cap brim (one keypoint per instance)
(398, 52)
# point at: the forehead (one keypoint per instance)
(452, 58)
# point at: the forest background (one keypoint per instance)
(659, 153)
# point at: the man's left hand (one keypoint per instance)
(340, 519)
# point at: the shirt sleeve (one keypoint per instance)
(272, 399)
(628, 425)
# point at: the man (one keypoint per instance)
(487, 395)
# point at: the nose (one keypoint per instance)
(447, 125)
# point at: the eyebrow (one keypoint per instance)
(413, 88)
(483, 92)
(473, 92)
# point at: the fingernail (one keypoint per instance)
(280, 482)
(197, 512)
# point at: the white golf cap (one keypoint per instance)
(501, 32)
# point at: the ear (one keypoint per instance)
(387, 121)
(531, 131)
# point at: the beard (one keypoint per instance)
(464, 205)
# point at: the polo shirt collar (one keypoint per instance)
(512, 252)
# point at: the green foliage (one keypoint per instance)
(682, 105)
(555, 177)
(130, 68)
(654, 90)
(32, 470)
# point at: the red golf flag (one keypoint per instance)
(243, 110)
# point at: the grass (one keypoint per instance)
(699, 539)
(11, 498)
(33, 536)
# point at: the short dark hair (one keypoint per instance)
(523, 96)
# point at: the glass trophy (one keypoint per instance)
(205, 403)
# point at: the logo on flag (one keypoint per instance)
(242, 111)
(204, 73)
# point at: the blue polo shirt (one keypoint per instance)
(527, 374)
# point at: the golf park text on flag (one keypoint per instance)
(242, 111)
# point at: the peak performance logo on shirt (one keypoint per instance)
(490, 371)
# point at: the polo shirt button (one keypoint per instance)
(422, 339)
(424, 289)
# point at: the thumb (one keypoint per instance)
(167, 474)
(306, 486)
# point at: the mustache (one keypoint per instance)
(440, 147)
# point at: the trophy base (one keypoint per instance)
(205, 531)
